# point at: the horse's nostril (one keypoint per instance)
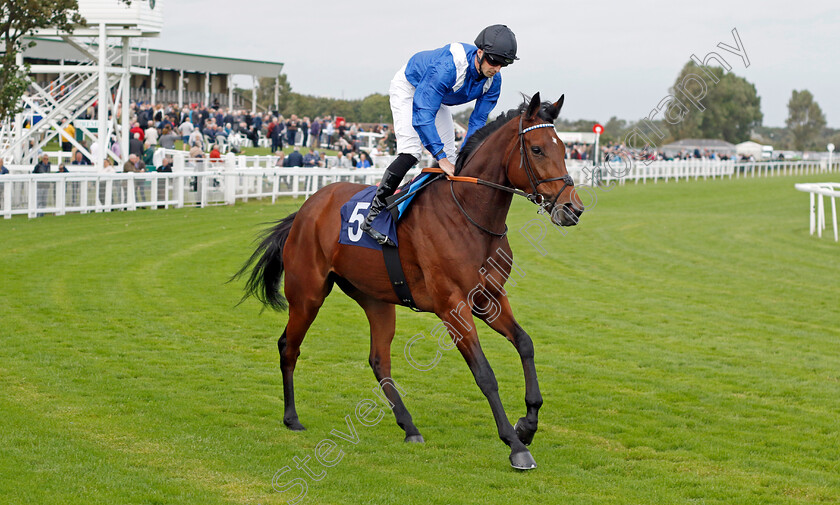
(567, 214)
(577, 210)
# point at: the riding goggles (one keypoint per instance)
(496, 61)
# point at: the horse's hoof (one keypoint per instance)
(417, 439)
(294, 425)
(525, 436)
(522, 461)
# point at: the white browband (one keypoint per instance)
(543, 125)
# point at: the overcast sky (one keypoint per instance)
(610, 58)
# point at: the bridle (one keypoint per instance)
(524, 162)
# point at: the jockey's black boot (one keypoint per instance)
(390, 182)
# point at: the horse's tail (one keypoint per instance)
(265, 278)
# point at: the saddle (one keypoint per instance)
(354, 212)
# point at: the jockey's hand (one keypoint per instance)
(447, 166)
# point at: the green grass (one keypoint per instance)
(686, 341)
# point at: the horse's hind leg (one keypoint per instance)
(382, 319)
(305, 299)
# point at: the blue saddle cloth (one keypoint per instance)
(354, 212)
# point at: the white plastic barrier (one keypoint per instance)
(267, 161)
(38, 194)
(198, 182)
(817, 209)
(623, 170)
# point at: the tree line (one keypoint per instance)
(731, 111)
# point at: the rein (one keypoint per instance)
(524, 161)
(482, 182)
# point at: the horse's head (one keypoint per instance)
(537, 163)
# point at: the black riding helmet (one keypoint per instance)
(498, 41)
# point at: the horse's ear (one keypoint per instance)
(554, 110)
(533, 107)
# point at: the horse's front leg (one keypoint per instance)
(464, 335)
(499, 316)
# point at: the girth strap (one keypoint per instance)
(391, 255)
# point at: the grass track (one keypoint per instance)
(686, 338)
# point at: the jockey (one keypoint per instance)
(421, 93)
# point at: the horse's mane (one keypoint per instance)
(477, 138)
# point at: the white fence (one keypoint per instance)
(181, 160)
(691, 169)
(817, 191)
(197, 182)
(38, 194)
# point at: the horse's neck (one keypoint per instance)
(485, 205)
(488, 160)
(487, 163)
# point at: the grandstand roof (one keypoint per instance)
(51, 49)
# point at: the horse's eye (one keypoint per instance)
(536, 150)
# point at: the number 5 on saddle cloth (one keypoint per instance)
(353, 214)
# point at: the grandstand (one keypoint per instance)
(105, 65)
(174, 77)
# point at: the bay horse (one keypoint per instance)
(447, 241)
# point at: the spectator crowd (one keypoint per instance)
(209, 132)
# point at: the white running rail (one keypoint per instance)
(34, 195)
(197, 182)
(817, 191)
